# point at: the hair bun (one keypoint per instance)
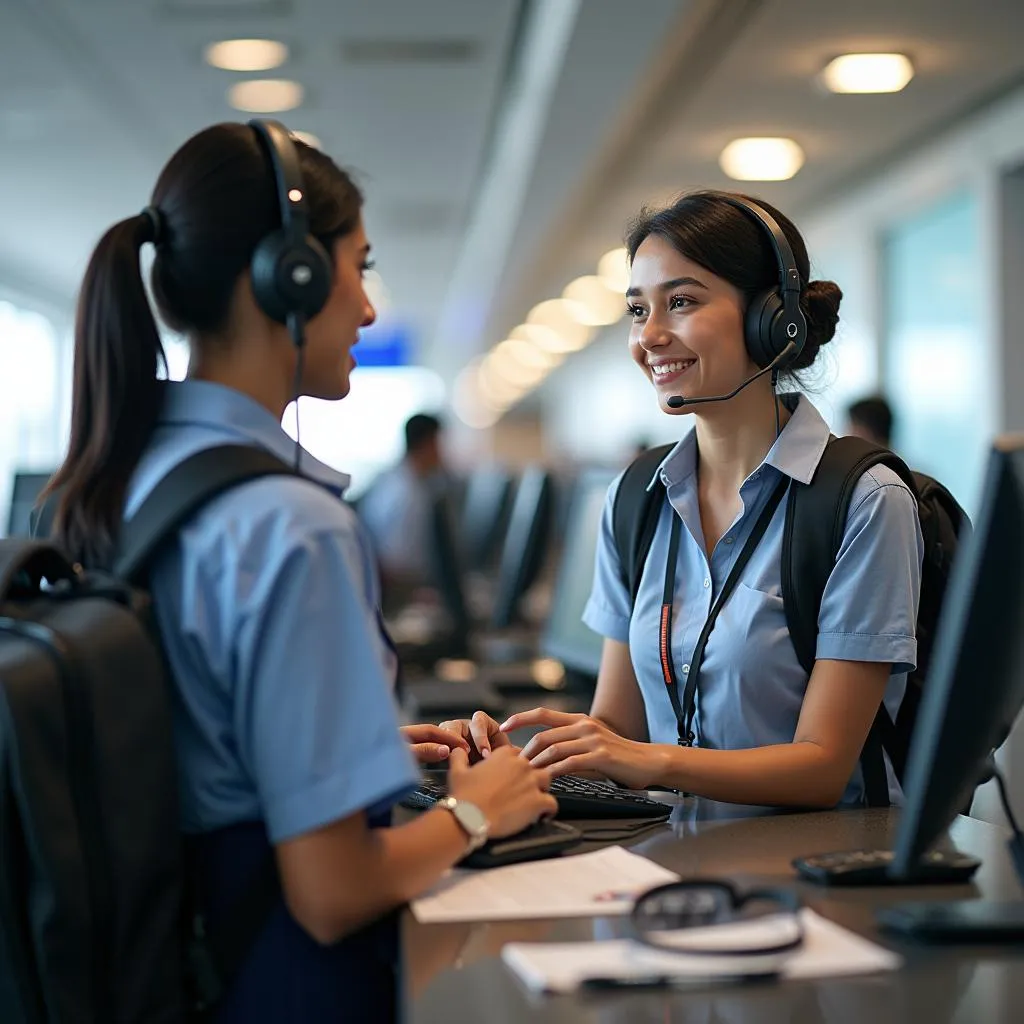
(820, 302)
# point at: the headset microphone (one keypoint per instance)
(678, 401)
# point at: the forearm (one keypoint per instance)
(380, 870)
(787, 774)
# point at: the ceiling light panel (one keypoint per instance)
(266, 95)
(868, 73)
(246, 54)
(761, 159)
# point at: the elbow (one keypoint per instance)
(323, 927)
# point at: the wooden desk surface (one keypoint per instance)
(453, 973)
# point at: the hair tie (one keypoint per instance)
(155, 225)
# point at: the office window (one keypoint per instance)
(30, 433)
(935, 361)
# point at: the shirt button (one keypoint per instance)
(686, 670)
(707, 583)
(728, 540)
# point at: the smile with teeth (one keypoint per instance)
(665, 372)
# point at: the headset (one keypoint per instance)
(291, 271)
(774, 325)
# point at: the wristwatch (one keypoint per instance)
(470, 818)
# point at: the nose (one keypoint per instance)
(369, 314)
(653, 334)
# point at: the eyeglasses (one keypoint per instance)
(712, 918)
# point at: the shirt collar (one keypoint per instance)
(796, 452)
(203, 403)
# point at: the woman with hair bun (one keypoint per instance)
(712, 304)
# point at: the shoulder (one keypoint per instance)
(881, 487)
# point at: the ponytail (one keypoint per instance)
(116, 395)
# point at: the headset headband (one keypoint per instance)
(789, 276)
(284, 160)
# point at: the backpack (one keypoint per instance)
(97, 922)
(815, 523)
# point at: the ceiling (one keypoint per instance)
(502, 144)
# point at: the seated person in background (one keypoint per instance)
(872, 419)
(396, 511)
(762, 730)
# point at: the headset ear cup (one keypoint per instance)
(762, 313)
(289, 277)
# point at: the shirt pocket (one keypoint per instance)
(752, 630)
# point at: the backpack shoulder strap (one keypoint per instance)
(635, 514)
(182, 492)
(815, 524)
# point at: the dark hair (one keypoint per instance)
(875, 413)
(727, 241)
(215, 200)
(420, 428)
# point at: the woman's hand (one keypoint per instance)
(576, 744)
(432, 743)
(506, 787)
(481, 734)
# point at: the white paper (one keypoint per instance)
(586, 885)
(828, 950)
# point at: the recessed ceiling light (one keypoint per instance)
(593, 303)
(309, 139)
(565, 318)
(246, 54)
(265, 95)
(761, 159)
(868, 72)
(613, 269)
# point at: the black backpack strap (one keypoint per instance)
(816, 514)
(181, 493)
(635, 513)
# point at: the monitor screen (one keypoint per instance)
(566, 638)
(975, 685)
(522, 555)
(484, 515)
(24, 493)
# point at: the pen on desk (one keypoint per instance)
(609, 984)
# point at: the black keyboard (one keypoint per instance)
(577, 798)
(871, 867)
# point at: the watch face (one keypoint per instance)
(471, 818)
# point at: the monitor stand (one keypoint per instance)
(966, 920)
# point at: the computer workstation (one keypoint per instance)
(973, 695)
(25, 490)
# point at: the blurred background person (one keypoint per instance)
(396, 510)
(872, 419)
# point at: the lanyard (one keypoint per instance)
(686, 710)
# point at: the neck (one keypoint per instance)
(264, 374)
(734, 437)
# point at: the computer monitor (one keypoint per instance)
(529, 529)
(484, 517)
(975, 686)
(25, 491)
(566, 637)
(446, 565)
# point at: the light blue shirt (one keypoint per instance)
(396, 511)
(267, 609)
(751, 684)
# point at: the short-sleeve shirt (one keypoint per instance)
(267, 608)
(751, 683)
(396, 511)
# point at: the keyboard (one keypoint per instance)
(577, 798)
(871, 867)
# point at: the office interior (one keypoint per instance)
(503, 148)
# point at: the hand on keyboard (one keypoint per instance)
(481, 733)
(507, 788)
(571, 744)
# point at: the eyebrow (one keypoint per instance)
(667, 286)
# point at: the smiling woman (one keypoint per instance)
(700, 688)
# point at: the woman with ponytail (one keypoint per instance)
(289, 748)
(760, 729)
